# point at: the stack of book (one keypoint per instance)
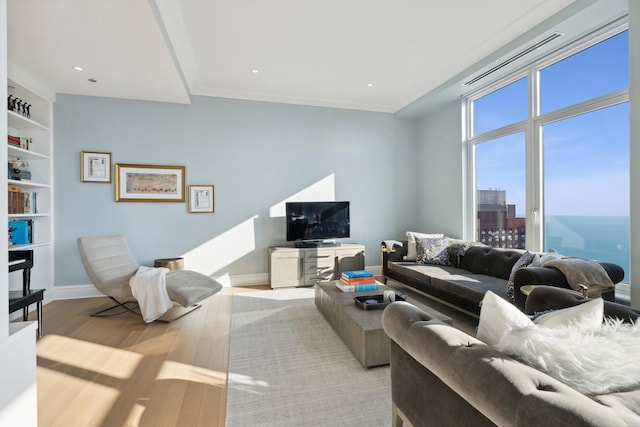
(18, 142)
(357, 281)
(20, 202)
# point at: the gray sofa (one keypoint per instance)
(474, 272)
(442, 376)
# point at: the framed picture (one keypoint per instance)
(95, 166)
(201, 199)
(149, 183)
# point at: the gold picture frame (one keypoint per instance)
(201, 199)
(95, 166)
(149, 183)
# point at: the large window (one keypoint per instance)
(556, 175)
(500, 195)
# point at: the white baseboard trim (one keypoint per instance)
(89, 291)
(241, 280)
(73, 292)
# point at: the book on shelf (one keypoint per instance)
(30, 202)
(19, 202)
(354, 274)
(356, 288)
(358, 281)
(19, 142)
(14, 198)
(21, 232)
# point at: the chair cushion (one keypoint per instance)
(188, 287)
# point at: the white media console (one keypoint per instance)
(291, 266)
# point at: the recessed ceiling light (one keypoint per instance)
(255, 71)
(369, 84)
(93, 80)
(77, 68)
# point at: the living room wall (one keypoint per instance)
(441, 171)
(257, 155)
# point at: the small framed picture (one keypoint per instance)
(95, 166)
(201, 199)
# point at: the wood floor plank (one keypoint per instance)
(120, 371)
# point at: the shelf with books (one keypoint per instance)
(30, 148)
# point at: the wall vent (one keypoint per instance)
(515, 57)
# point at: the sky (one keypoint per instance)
(586, 157)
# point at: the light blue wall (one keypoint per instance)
(256, 154)
(441, 171)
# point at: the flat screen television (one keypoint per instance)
(317, 221)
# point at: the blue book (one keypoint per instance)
(369, 287)
(20, 231)
(356, 274)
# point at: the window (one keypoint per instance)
(601, 69)
(587, 157)
(500, 188)
(501, 107)
(556, 176)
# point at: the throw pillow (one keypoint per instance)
(456, 249)
(525, 260)
(412, 252)
(497, 317)
(592, 361)
(587, 315)
(432, 250)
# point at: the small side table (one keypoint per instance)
(23, 299)
(170, 263)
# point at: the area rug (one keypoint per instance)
(287, 367)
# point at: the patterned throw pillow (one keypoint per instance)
(432, 250)
(525, 260)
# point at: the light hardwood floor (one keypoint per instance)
(119, 371)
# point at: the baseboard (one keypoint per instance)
(240, 280)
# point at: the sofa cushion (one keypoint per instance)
(494, 262)
(432, 250)
(471, 287)
(412, 251)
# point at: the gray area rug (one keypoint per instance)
(287, 367)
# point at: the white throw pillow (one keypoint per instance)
(412, 251)
(587, 315)
(497, 317)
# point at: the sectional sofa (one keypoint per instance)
(442, 376)
(472, 272)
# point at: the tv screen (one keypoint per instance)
(317, 220)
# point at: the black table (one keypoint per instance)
(23, 299)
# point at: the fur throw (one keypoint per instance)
(592, 361)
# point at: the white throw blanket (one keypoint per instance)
(149, 287)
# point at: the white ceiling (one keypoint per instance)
(306, 52)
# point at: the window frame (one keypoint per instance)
(532, 127)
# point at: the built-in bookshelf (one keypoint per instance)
(34, 156)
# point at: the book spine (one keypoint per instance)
(358, 281)
(356, 274)
(357, 288)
